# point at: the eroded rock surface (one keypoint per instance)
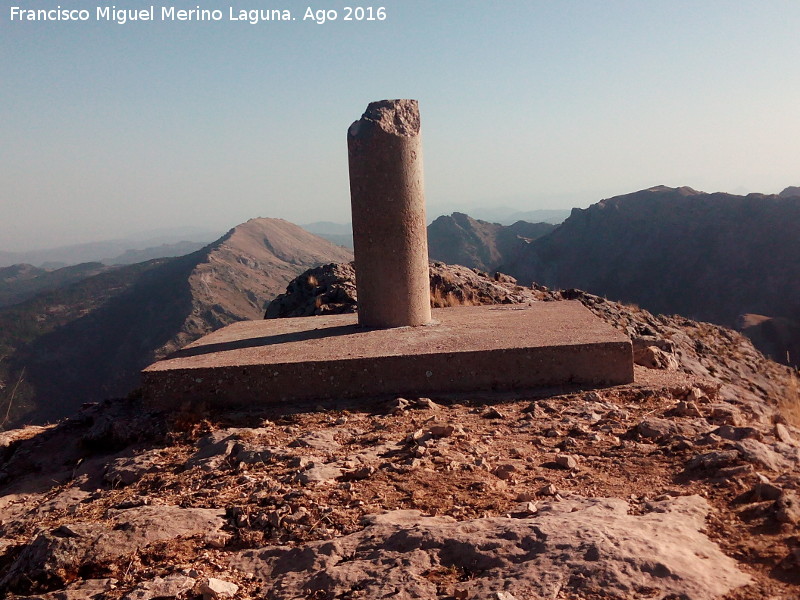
(588, 545)
(57, 556)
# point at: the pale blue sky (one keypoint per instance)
(108, 129)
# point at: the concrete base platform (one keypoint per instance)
(476, 348)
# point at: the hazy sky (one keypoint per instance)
(108, 129)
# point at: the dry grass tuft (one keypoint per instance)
(441, 299)
(790, 405)
(437, 298)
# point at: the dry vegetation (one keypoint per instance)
(790, 405)
(444, 299)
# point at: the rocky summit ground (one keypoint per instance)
(681, 485)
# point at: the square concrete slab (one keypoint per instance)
(476, 348)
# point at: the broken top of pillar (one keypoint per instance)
(388, 208)
(395, 117)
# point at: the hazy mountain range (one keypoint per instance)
(509, 216)
(491, 218)
(88, 340)
(23, 281)
(135, 248)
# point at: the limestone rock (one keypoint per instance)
(787, 508)
(761, 454)
(214, 589)
(782, 433)
(492, 413)
(654, 358)
(737, 433)
(548, 490)
(665, 429)
(171, 586)
(127, 470)
(214, 448)
(426, 403)
(66, 501)
(687, 409)
(320, 473)
(505, 471)
(580, 545)
(89, 589)
(398, 405)
(229, 447)
(438, 430)
(714, 460)
(54, 556)
(565, 461)
(764, 491)
(324, 440)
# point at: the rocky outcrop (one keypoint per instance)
(54, 557)
(331, 289)
(586, 544)
(323, 290)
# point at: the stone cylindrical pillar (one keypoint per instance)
(387, 198)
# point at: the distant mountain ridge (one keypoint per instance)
(170, 241)
(328, 227)
(460, 239)
(790, 192)
(340, 234)
(162, 251)
(510, 216)
(23, 281)
(88, 340)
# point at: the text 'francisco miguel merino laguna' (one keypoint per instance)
(170, 13)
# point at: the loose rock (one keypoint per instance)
(565, 461)
(787, 508)
(170, 586)
(782, 433)
(215, 589)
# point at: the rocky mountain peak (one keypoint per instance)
(683, 190)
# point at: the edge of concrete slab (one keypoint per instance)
(476, 349)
